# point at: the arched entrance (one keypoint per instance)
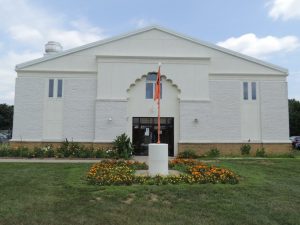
(142, 114)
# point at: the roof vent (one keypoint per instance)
(52, 47)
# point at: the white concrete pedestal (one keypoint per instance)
(158, 159)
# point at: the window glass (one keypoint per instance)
(160, 90)
(150, 85)
(146, 120)
(136, 120)
(51, 87)
(245, 90)
(149, 90)
(151, 76)
(253, 90)
(59, 88)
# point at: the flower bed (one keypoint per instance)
(114, 172)
(121, 148)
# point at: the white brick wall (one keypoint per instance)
(106, 130)
(274, 111)
(28, 111)
(79, 109)
(218, 119)
(226, 109)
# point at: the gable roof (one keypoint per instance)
(154, 27)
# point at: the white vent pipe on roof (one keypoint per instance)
(53, 47)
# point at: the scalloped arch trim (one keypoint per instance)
(162, 76)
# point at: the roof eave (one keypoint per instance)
(105, 41)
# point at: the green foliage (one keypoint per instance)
(70, 149)
(113, 172)
(123, 146)
(122, 149)
(294, 117)
(4, 150)
(7, 151)
(98, 153)
(188, 154)
(283, 155)
(59, 188)
(180, 167)
(245, 149)
(213, 152)
(260, 152)
(67, 149)
(6, 116)
(41, 152)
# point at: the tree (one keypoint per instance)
(6, 116)
(294, 114)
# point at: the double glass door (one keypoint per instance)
(144, 132)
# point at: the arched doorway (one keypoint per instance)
(142, 114)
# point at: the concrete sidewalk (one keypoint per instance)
(58, 160)
(137, 158)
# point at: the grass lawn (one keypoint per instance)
(268, 193)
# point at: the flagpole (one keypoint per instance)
(158, 120)
(158, 110)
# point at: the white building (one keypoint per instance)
(211, 96)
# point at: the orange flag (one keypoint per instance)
(157, 86)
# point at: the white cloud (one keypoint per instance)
(34, 26)
(26, 26)
(8, 74)
(284, 9)
(294, 84)
(140, 23)
(25, 33)
(81, 33)
(254, 46)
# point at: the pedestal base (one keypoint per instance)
(158, 159)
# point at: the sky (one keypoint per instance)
(266, 29)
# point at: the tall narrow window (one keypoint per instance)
(245, 90)
(149, 90)
(253, 90)
(160, 90)
(150, 85)
(51, 88)
(59, 88)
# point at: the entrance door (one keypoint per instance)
(144, 132)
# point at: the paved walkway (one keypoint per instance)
(137, 158)
(53, 160)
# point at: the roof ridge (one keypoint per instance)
(148, 28)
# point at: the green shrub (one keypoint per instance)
(213, 152)
(245, 149)
(99, 153)
(260, 152)
(41, 152)
(180, 167)
(70, 149)
(86, 152)
(112, 153)
(282, 155)
(23, 151)
(188, 154)
(4, 150)
(38, 152)
(20, 151)
(49, 151)
(123, 147)
(14, 152)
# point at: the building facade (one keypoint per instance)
(211, 96)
